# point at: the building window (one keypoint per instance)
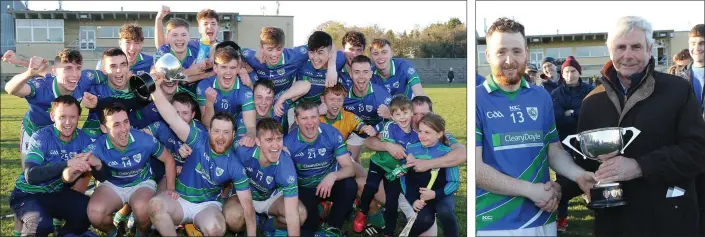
(148, 32)
(108, 32)
(592, 51)
(193, 33)
(559, 52)
(87, 38)
(40, 30)
(481, 58)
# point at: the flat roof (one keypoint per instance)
(583, 36)
(81, 15)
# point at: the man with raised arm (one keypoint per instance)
(209, 168)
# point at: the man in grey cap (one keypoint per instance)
(532, 75)
(550, 76)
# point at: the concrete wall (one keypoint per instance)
(435, 70)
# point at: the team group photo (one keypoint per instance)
(157, 122)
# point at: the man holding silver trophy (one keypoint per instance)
(646, 187)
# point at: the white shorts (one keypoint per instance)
(546, 230)
(190, 209)
(262, 207)
(126, 193)
(355, 140)
(24, 146)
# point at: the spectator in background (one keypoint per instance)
(551, 79)
(680, 62)
(567, 99)
(532, 75)
(696, 70)
(451, 76)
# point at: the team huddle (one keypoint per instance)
(252, 139)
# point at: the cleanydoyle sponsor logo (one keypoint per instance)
(313, 166)
(504, 141)
(522, 138)
(126, 174)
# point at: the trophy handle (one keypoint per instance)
(566, 142)
(635, 131)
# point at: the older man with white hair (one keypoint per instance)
(657, 171)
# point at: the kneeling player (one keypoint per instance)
(121, 159)
(52, 166)
(272, 180)
(323, 167)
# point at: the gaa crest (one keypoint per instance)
(218, 171)
(533, 112)
(269, 179)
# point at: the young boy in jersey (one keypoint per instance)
(264, 100)
(272, 182)
(275, 63)
(432, 144)
(54, 164)
(312, 74)
(115, 67)
(131, 43)
(178, 44)
(353, 43)
(208, 169)
(397, 131)
(228, 93)
(120, 159)
(367, 100)
(323, 167)
(397, 75)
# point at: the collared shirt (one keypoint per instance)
(284, 72)
(366, 106)
(345, 122)
(402, 76)
(46, 148)
(267, 181)
(514, 130)
(314, 160)
(206, 172)
(130, 166)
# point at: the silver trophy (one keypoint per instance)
(143, 84)
(171, 67)
(603, 141)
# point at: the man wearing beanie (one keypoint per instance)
(567, 99)
(666, 155)
(532, 75)
(551, 79)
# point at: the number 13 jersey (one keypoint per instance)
(514, 130)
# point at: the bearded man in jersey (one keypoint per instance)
(514, 173)
(209, 168)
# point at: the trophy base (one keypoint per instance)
(605, 196)
(601, 205)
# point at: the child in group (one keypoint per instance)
(382, 164)
(432, 144)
